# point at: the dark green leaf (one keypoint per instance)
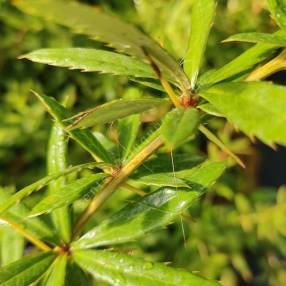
(128, 129)
(76, 277)
(179, 125)
(89, 60)
(257, 108)
(84, 137)
(163, 163)
(114, 110)
(121, 269)
(106, 28)
(16, 198)
(202, 16)
(278, 11)
(153, 211)
(69, 193)
(25, 271)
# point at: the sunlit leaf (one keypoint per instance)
(202, 16)
(121, 269)
(179, 125)
(257, 108)
(278, 11)
(209, 109)
(273, 39)
(240, 64)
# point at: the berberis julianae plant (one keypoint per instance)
(76, 251)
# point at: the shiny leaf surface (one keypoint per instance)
(25, 271)
(278, 11)
(57, 162)
(106, 28)
(257, 108)
(153, 211)
(91, 60)
(121, 269)
(68, 194)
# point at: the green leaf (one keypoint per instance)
(75, 276)
(200, 174)
(57, 272)
(128, 128)
(66, 195)
(179, 125)
(163, 163)
(144, 142)
(89, 60)
(18, 214)
(106, 28)
(209, 109)
(27, 270)
(275, 40)
(241, 64)
(12, 245)
(278, 11)
(84, 137)
(17, 197)
(202, 17)
(162, 180)
(153, 211)
(56, 162)
(257, 108)
(113, 110)
(121, 269)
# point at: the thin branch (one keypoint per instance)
(113, 182)
(34, 240)
(133, 189)
(169, 90)
(273, 66)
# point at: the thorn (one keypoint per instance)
(273, 146)
(252, 139)
(213, 138)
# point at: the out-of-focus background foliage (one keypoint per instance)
(237, 233)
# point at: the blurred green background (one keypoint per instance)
(237, 233)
